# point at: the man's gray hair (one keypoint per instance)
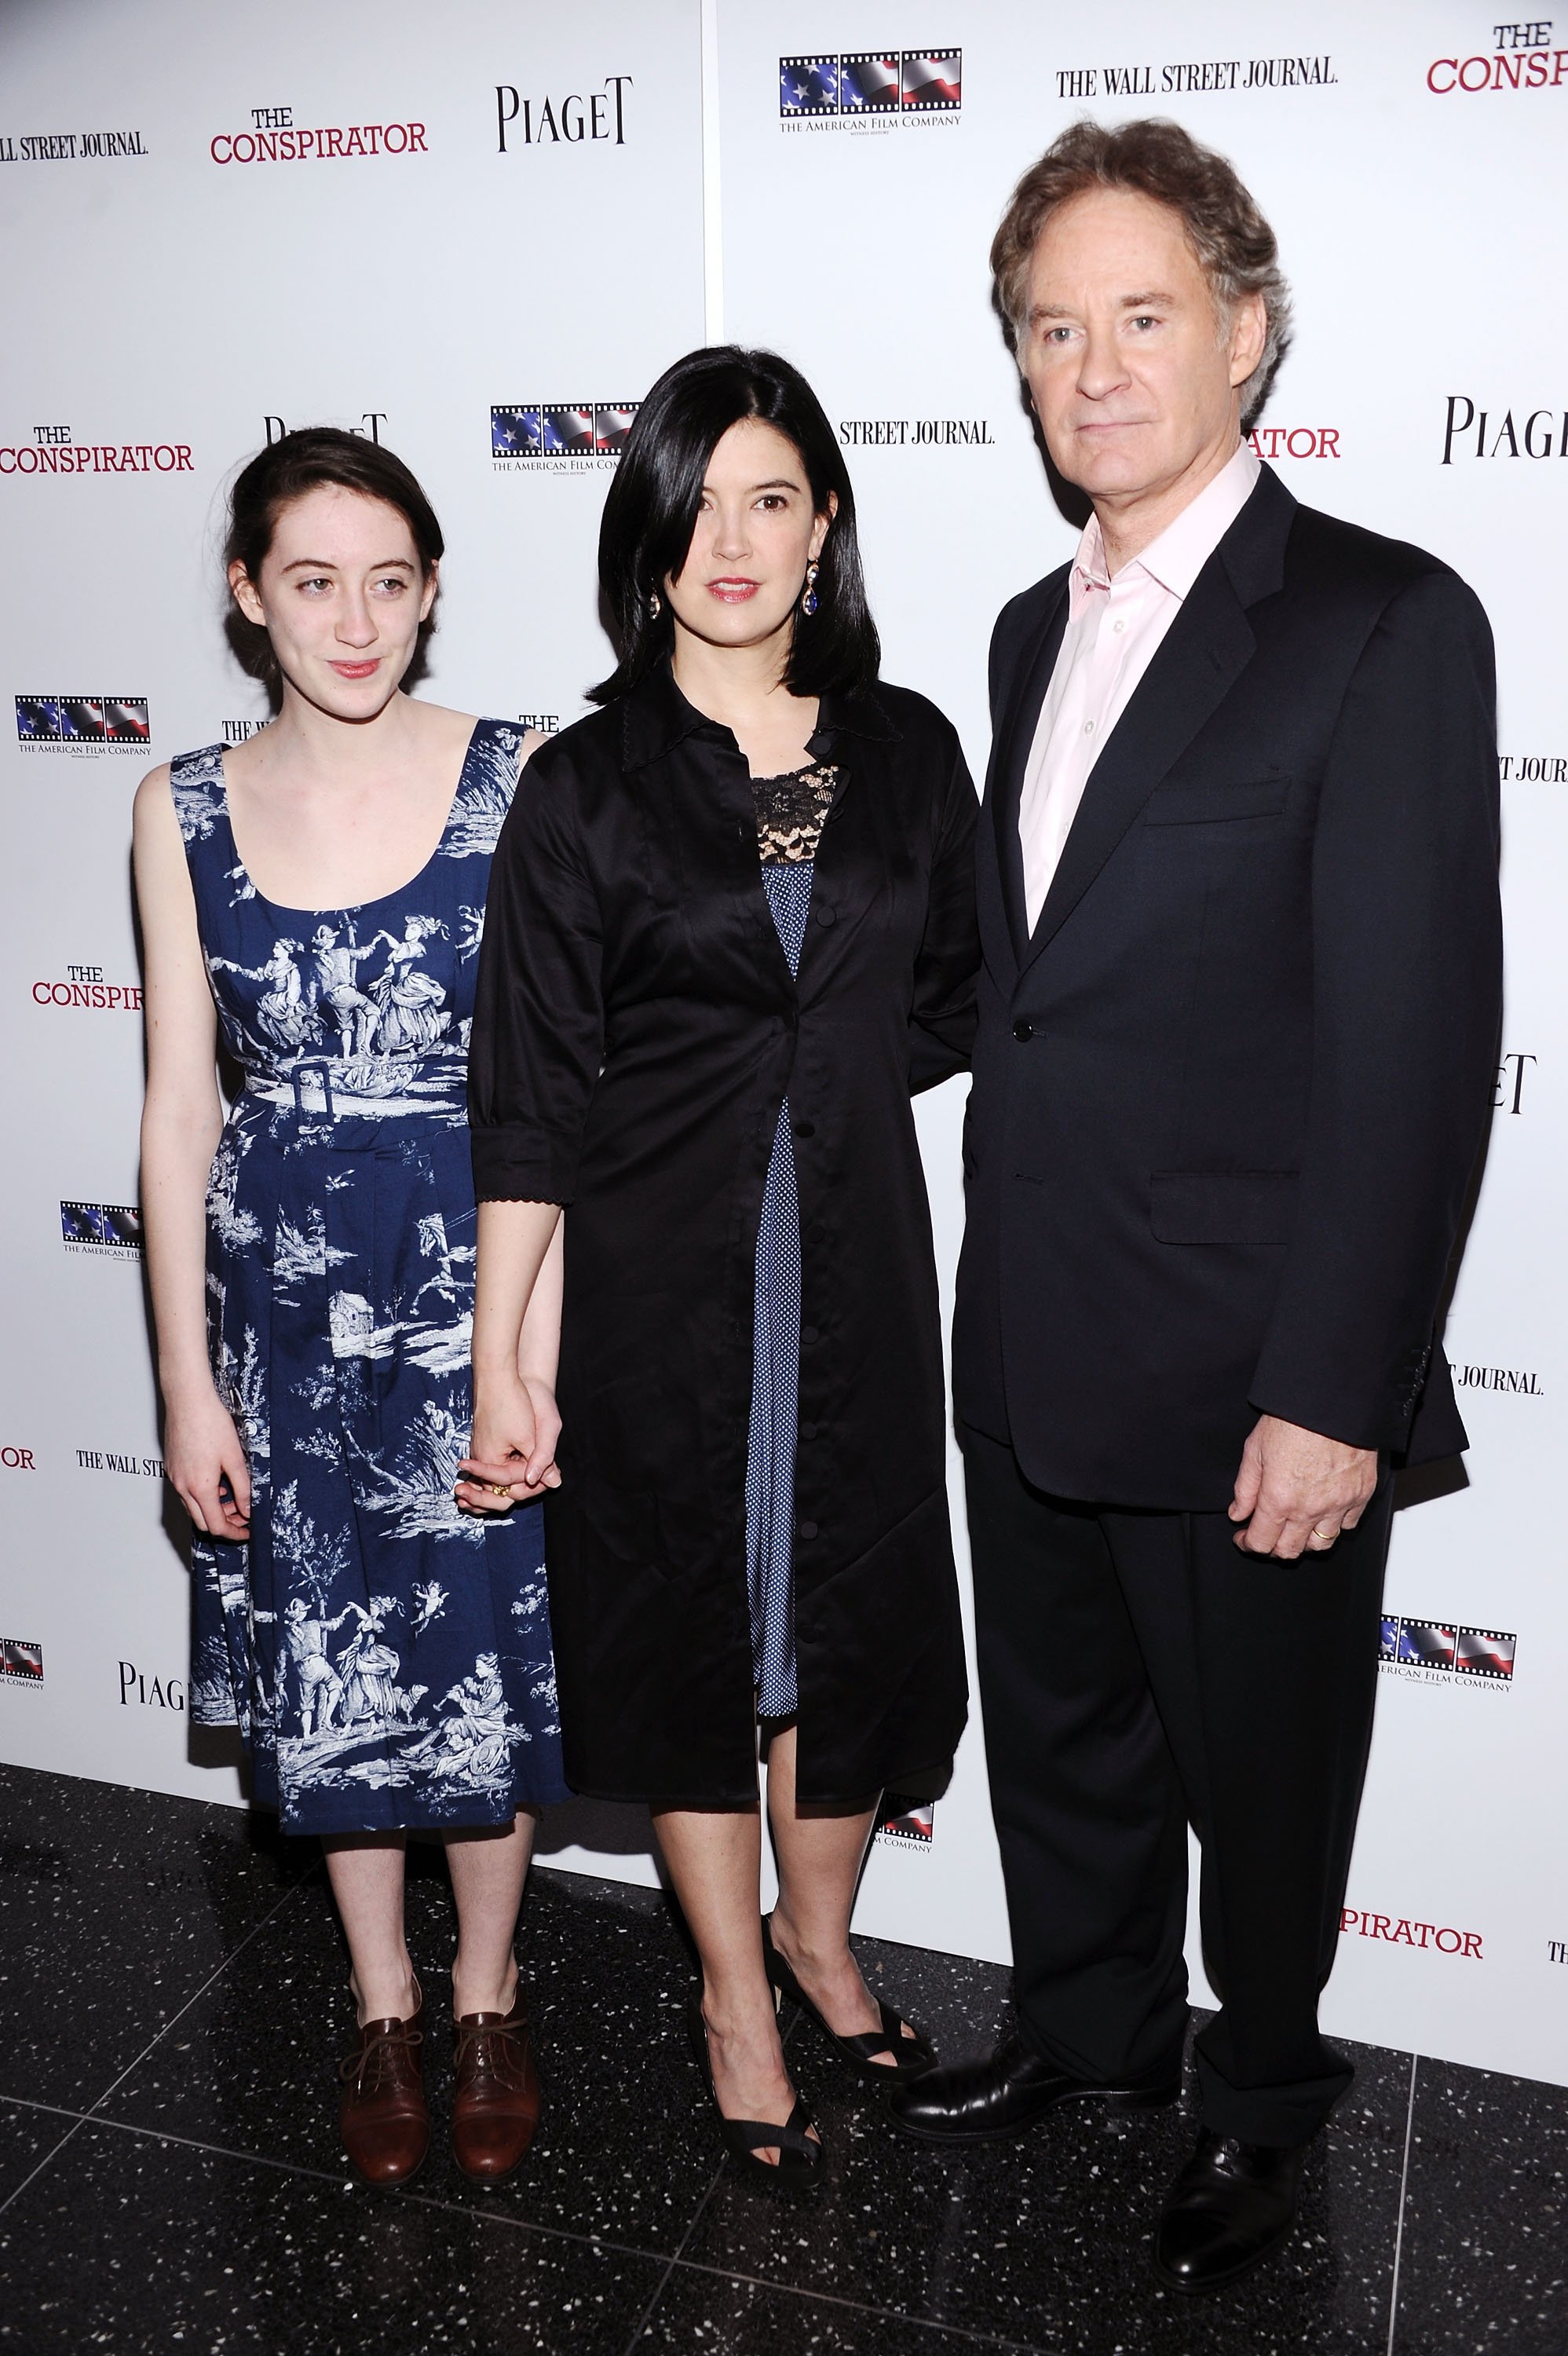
(1234, 246)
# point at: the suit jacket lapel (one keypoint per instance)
(1009, 759)
(1194, 667)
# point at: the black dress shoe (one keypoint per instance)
(971, 2102)
(1232, 2204)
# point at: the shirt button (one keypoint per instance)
(806, 1530)
(1118, 626)
(1088, 728)
(1023, 1030)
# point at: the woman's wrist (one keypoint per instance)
(184, 1385)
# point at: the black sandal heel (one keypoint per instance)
(799, 2154)
(913, 2054)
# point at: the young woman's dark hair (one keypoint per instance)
(314, 459)
(652, 510)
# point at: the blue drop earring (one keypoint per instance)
(808, 598)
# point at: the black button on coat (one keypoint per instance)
(637, 1030)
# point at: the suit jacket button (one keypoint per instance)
(806, 1530)
(825, 913)
(808, 1334)
(1023, 1030)
(809, 1431)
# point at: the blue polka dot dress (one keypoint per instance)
(790, 810)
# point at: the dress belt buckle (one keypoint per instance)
(322, 1072)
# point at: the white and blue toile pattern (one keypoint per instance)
(387, 1658)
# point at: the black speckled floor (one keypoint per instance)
(172, 2000)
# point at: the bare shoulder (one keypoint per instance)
(441, 727)
(154, 806)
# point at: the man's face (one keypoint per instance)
(1134, 377)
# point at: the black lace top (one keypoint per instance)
(791, 812)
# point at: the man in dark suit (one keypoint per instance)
(1238, 1028)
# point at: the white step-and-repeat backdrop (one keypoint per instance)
(479, 235)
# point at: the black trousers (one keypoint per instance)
(1138, 1672)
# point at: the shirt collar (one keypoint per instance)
(1182, 550)
(656, 717)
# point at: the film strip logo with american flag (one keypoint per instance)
(1448, 1648)
(870, 83)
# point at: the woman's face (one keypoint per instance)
(341, 596)
(755, 534)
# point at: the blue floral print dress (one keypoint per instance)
(386, 1657)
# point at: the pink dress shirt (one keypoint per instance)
(1113, 630)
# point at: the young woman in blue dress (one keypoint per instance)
(312, 900)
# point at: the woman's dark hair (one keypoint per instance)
(313, 458)
(652, 511)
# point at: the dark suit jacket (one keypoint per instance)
(1229, 1095)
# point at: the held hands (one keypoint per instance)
(511, 1455)
(206, 1464)
(1298, 1489)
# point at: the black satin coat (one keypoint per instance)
(637, 1029)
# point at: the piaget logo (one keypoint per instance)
(1473, 433)
(561, 118)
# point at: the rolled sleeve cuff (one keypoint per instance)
(515, 1164)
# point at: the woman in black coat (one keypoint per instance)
(730, 930)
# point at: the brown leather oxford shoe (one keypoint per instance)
(497, 2105)
(386, 2121)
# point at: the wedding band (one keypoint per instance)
(1319, 1532)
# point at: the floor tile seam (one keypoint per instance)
(650, 2311)
(48, 2160)
(338, 2177)
(195, 1996)
(862, 2306)
(1399, 2220)
(662, 2284)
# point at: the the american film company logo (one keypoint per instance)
(867, 90)
(560, 437)
(87, 725)
(108, 1230)
(1445, 1652)
(1521, 58)
(904, 1823)
(275, 137)
(21, 1661)
(52, 451)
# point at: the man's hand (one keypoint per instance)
(1296, 1490)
